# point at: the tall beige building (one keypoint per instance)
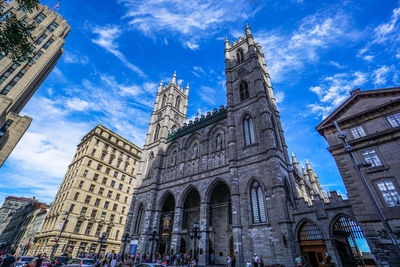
(19, 81)
(93, 198)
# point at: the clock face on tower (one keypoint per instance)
(241, 71)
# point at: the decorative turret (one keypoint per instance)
(295, 162)
(173, 81)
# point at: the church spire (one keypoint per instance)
(160, 86)
(173, 81)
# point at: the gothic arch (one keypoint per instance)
(212, 135)
(140, 215)
(211, 187)
(249, 133)
(335, 218)
(194, 136)
(184, 194)
(300, 225)
(244, 89)
(261, 207)
(163, 198)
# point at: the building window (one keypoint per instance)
(93, 151)
(95, 177)
(112, 216)
(118, 163)
(248, 129)
(120, 219)
(372, 157)
(97, 202)
(120, 186)
(164, 99)
(106, 204)
(8, 72)
(115, 174)
(88, 228)
(94, 212)
(126, 199)
(91, 188)
(99, 167)
(80, 184)
(128, 189)
(239, 56)
(83, 211)
(98, 230)
(394, 119)
(389, 193)
(130, 180)
(108, 170)
(126, 167)
(109, 194)
(102, 156)
(76, 196)
(87, 199)
(156, 132)
(123, 177)
(39, 18)
(5, 127)
(257, 203)
(117, 235)
(48, 43)
(103, 215)
(110, 160)
(195, 150)
(123, 210)
(357, 132)
(78, 226)
(97, 142)
(89, 163)
(52, 26)
(85, 173)
(117, 196)
(40, 39)
(178, 102)
(104, 180)
(115, 207)
(101, 190)
(244, 90)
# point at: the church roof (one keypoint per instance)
(361, 103)
(204, 121)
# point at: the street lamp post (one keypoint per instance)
(125, 239)
(195, 233)
(153, 237)
(59, 235)
(357, 166)
(101, 240)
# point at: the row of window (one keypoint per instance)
(118, 142)
(101, 190)
(107, 171)
(98, 200)
(358, 131)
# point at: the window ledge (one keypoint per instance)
(249, 146)
(376, 169)
(251, 225)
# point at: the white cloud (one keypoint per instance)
(207, 94)
(279, 96)
(106, 38)
(77, 104)
(69, 57)
(334, 90)
(316, 33)
(388, 30)
(190, 20)
(368, 57)
(198, 71)
(380, 75)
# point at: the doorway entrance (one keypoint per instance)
(312, 244)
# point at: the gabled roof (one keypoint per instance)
(377, 98)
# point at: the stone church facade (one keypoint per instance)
(230, 172)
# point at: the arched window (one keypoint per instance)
(138, 219)
(173, 128)
(239, 56)
(218, 140)
(248, 129)
(244, 90)
(257, 203)
(173, 158)
(156, 132)
(276, 133)
(164, 99)
(195, 150)
(178, 102)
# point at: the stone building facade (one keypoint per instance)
(230, 172)
(93, 198)
(19, 81)
(10, 205)
(371, 119)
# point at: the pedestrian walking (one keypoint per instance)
(255, 260)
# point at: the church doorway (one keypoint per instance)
(166, 223)
(183, 246)
(191, 215)
(312, 244)
(220, 221)
(347, 234)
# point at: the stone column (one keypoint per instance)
(177, 229)
(331, 247)
(237, 229)
(202, 244)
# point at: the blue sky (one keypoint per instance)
(118, 51)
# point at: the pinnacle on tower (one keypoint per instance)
(174, 78)
(248, 30)
(294, 160)
(227, 44)
(160, 86)
(187, 89)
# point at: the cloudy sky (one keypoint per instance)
(119, 50)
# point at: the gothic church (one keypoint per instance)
(230, 172)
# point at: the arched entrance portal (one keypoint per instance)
(220, 221)
(312, 244)
(166, 223)
(191, 215)
(346, 232)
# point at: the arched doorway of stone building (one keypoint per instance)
(165, 226)
(220, 221)
(191, 215)
(312, 244)
(347, 233)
